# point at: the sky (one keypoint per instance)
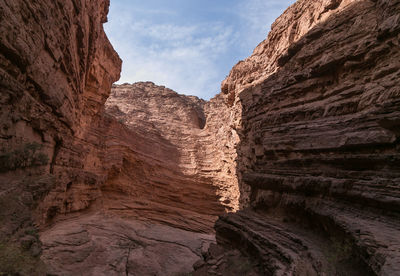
(187, 45)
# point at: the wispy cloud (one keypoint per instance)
(257, 17)
(189, 56)
(184, 58)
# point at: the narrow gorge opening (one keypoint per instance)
(293, 169)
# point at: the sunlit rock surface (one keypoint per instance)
(318, 159)
(303, 140)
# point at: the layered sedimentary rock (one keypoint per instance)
(318, 158)
(152, 158)
(56, 71)
(143, 157)
(181, 133)
(101, 245)
(152, 154)
(304, 138)
(153, 145)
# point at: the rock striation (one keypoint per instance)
(319, 142)
(152, 157)
(298, 155)
(75, 162)
(188, 126)
(152, 144)
(56, 70)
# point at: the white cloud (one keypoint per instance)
(258, 16)
(183, 58)
(190, 58)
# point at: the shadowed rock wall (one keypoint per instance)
(304, 139)
(318, 158)
(57, 70)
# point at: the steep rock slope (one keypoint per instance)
(304, 136)
(200, 145)
(318, 159)
(153, 161)
(56, 71)
(287, 29)
(158, 192)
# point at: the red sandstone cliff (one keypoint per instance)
(57, 68)
(303, 139)
(318, 158)
(92, 167)
(57, 71)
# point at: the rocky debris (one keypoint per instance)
(103, 245)
(319, 145)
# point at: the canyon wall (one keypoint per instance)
(153, 156)
(128, 173)
(133, 172)
(165, 180)
(318, 158)
(57, 68)
(303, 139)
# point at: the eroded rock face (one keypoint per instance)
(101, 245)
(304, 138)
(318, 160)
(183, 133)
(279, 46)
(57, 68)
(57, 71)
(154, 144)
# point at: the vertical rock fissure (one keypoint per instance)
(127, 261)
(57, 147)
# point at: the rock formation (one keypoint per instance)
(158, 185)
(303, 139)
(84, 167)
(57, 68)
(318, 158)
(152, 158)
(103, 245)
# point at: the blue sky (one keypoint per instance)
(187, 45)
